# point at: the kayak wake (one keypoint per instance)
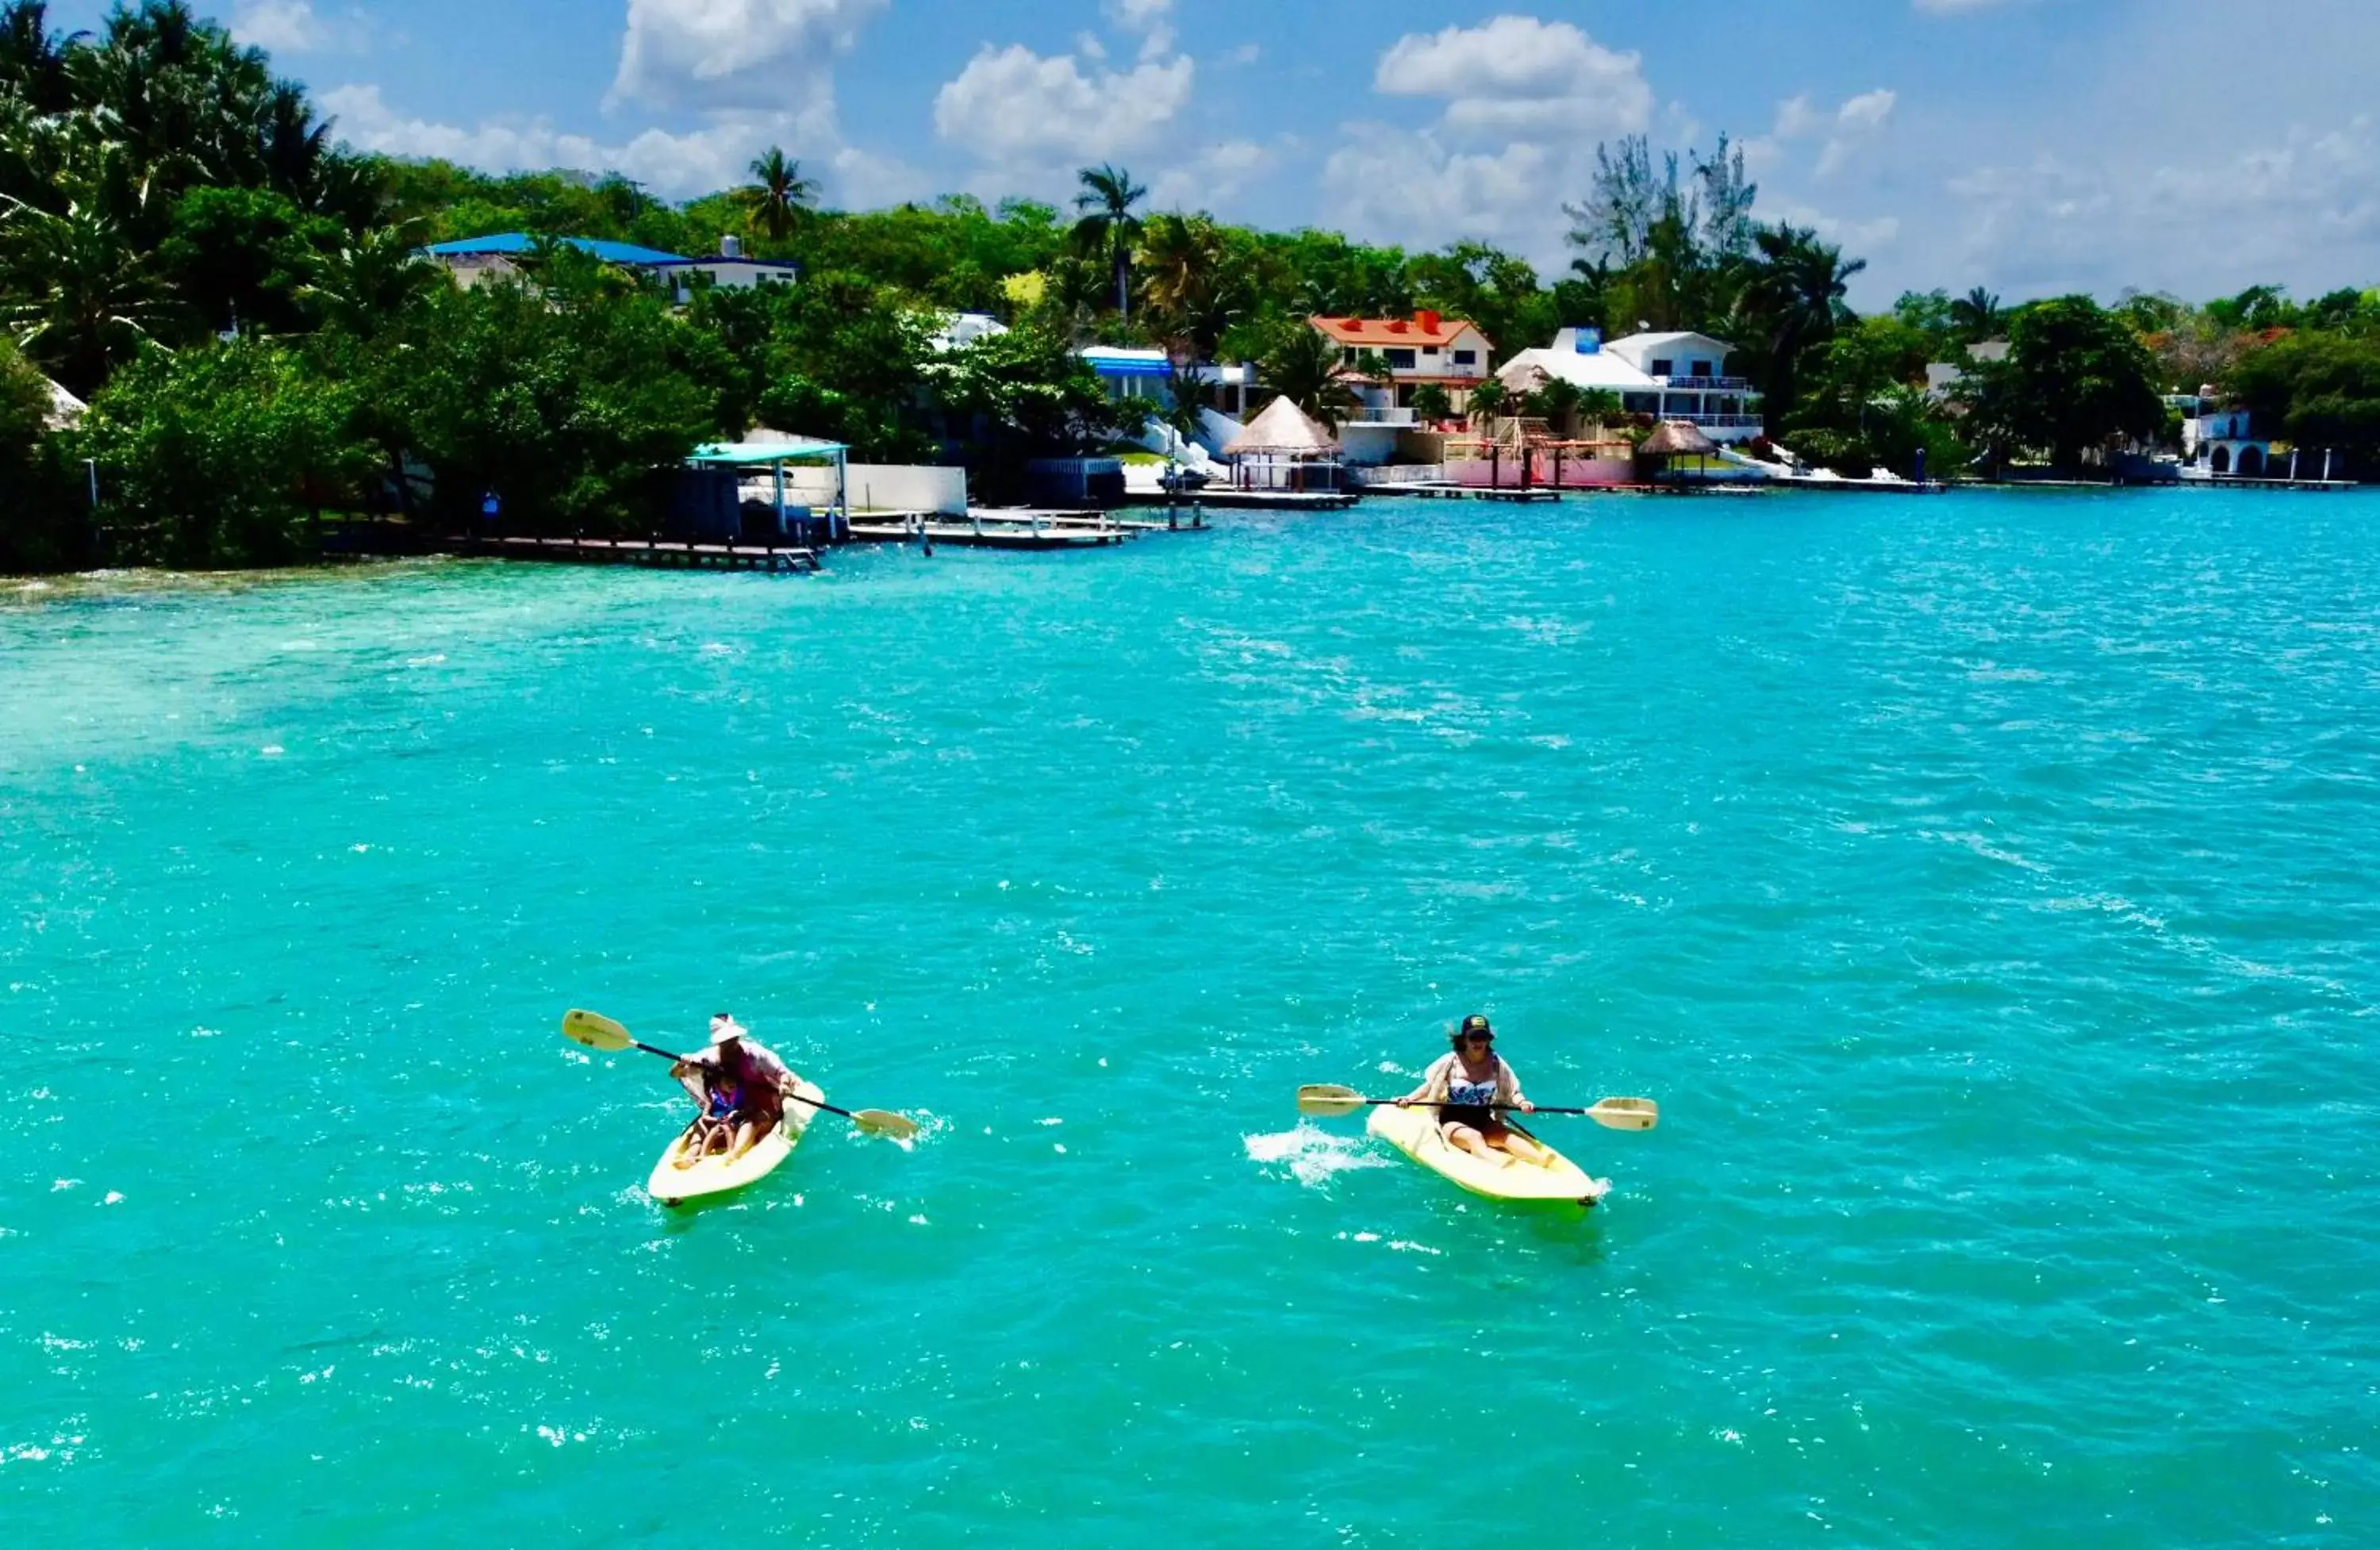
(1311, 1155)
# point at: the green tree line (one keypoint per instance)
(245, 306)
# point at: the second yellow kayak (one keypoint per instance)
(1545, 1175)
(716, 1175)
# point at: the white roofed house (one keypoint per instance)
(1658, 376)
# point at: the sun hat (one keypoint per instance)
(724, 1028)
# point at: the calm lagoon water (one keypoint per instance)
(1984, 886)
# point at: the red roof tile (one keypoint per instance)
(1426, 329)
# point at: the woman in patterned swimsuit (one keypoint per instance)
(1472, 1087)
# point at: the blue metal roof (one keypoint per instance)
(522, 242)
(746, 454)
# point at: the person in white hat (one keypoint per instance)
(740, 1085)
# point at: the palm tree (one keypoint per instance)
(1556, 402)
(1070, 293)
(32, 59)
(1187, 394)
(1978, 315)
(778, 197)
(1430, 403)
(1793, 298)
(1108, 226)
(1599, 406)
(371, 280)
(88, 300)
(1304, 366)
(1183, 267)
(1489, 400)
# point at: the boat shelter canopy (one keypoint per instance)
(773, 455)
(760, 454)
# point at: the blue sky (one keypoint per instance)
(2034, 146)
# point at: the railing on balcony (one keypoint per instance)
(1373, 414)
(1724, 422)
(1704, 384)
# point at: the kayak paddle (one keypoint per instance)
(597, 1032)
(1619, 1114)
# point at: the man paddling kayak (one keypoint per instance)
(740, 1085)
(1470, 1086)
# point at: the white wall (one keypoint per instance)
(881, 486)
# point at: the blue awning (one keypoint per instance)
(1128, 363)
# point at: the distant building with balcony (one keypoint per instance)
(2219, 439)
(1662, 376)
(477, 259)
(1146, 377)
(1426, 348)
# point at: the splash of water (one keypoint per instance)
(1311, 1155)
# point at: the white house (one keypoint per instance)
(1426, 347)
(730, 268)
(1666, 376)
(1144, 374)
(2219, 439)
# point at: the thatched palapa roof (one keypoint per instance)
(1679, 438)
(1282, 431)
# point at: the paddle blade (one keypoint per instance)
(891, 1126)
(1626, 1114)
(1328, 1102)
(595, 1030)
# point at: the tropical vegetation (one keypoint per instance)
(246, 306)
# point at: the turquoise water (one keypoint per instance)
(1982, 886)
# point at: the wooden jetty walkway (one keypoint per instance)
(1001, 527)
(775, 558)
(1473, 492)
(1225, 497)
(391, 539)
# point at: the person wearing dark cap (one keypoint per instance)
(1472, 1087)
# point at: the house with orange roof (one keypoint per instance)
(1426, 347)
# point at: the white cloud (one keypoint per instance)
(1516, 74)
(1153, 19)
(701, 160)
(1020, 111)
(759, 72)
(1841, 130)
(1213, 176)
(294, 27)
(706, 159)
(1412, 188)
(730, 54)
(2291, 208)
(1856, 238)
(1525, 103)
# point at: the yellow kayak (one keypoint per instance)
(672, 1185)
(1545, 1175)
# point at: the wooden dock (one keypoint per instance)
(1530, 496)
(774, 558)
(1223, 496)
(372, 538)
(1000, 527)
